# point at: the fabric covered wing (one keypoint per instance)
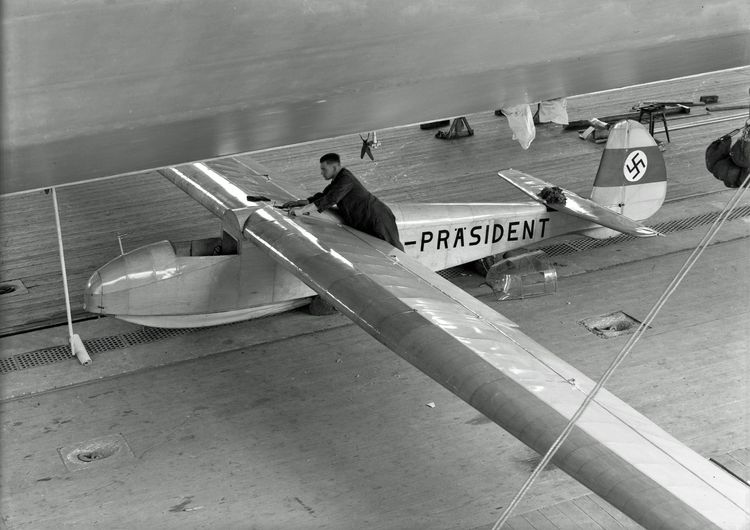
(577, 206)
(230, 183)
(484, 359)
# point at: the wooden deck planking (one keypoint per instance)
(411, 165)
(587, 512)
(595, 511)
(538, 521)
(557, 517)
(519, 523)
(581, 519)
(621, 519)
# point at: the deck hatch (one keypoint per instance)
(611, 325)
(12, 288)
(111, 449)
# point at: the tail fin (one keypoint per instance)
(632, 177)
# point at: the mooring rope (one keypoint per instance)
(717, 224)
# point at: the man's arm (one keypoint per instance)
(334, 192)
(295, 204)
(304, 202)
(305, 210)
(316, 196)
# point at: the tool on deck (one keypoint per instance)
(458, 128)
(597, 129)
(368, 144)
(670, 108)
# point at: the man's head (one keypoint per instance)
(330, 165)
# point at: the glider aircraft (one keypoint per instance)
(266, 262)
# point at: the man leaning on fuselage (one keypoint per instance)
(359, 208)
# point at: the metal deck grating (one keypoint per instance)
(22, 361)
(146, 335)
(675, 225)
(40, 357)
(453, 272)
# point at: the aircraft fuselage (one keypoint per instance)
(221, 280)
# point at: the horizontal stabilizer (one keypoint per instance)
(577, 206)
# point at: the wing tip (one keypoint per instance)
(646, 231)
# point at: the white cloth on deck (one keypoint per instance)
(554, 110)
(521, 122)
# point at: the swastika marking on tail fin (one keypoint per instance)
(635, 166)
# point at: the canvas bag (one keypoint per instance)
(721, 164)
(740, 151)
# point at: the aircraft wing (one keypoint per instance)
(230, 183)
(483, 358)
(577, 206)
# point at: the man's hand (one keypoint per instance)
(306, 210)
(294, 204)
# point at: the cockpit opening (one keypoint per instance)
(225, 245)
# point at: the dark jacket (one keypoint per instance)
(359, 208)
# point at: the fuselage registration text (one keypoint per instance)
(491, 233)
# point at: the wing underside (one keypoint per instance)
(483, 358)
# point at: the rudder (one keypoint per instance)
(632, 176)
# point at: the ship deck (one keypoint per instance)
(296, 421)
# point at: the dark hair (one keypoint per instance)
(330, 158)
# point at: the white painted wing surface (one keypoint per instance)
(483, 358)
(230, 183)
(577, 206)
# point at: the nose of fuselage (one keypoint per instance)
(107, 289)
(132, 281)
(92, 295)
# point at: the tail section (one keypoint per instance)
(632, 176)
(630, 186)
(609, 223)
